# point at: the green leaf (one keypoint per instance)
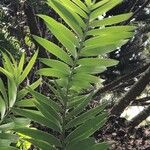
(7, 63)
(104, 8)
(3, 91)
(7, 73)
(7, 126)
(49, 113)
(81, 5)
(36, 116)
(78, 85)
(80, 107)
(85, 116)
(98, 146)
(12, 92)
(87, 129)
(49, 105)
(28, 68)
(41, 98)
(21, 122)
(5, 143)
(63, 30)
(111, 20)
(75, 8)
(76, 100)
(87, 77)
(14, 123)
(21, 64)
(2, 107)
(90, 69)
(95, 50)
(26, 103)
(51, 72)
(67, 14)
(54, 49)
(8, 148)
(62, 34)
(85, 144)
(41, 144)
(99, 4)
(55, 91)
(8, 136)
(39, 135)
(88, 2)
(97, 62)
(21, 94)
(111, 38)
(119, 30)
(56, 64)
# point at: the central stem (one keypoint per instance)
(69, 80)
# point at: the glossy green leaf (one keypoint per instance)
(22, 93)
(111, 38)
(8, 148)
(48, 113)
(7, 63)
(7, 73)
(95, 50)
(99, 4)
(12, 92)
(21, 64)
(85, 116)
(56, 64)
(28, 67)
(3, 92)
(78, 85)
(20, 122)
(63, 30)
(77, 110)
(36, 116)
(97, 62)
(88, 2)
(111, 20)
(81, 5)
(102, 146)
(39, 135)
(2, 107)
(84, 144)
(26, 103)
(67, 14)
(76, 100)
(54, 49)
(87, 77)
(75, 8)
(86, 129)
(9, 136)
(41, 144)
(41, 98)
(68, 40)
(51, 72)
(111, 30)
(90, 69)
(104, 8)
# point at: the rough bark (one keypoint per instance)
(125, 78)
(141, 102)
(33, 26)
(131, 95)
(140, 117)
(137, 11)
